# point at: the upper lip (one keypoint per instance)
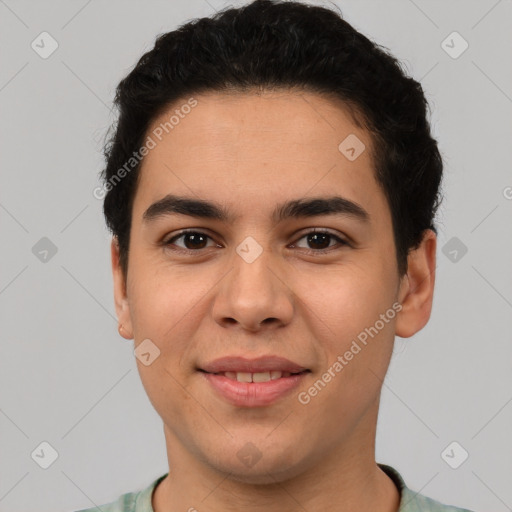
(258, 365)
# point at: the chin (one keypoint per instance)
(269, 475)
(251, 466)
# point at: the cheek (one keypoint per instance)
(356, 347)
(355, 322)
(167, 308)
(166, 392)
(348, 300)
(162, 299)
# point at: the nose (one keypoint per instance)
(254, 295)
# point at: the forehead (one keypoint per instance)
(254, 149)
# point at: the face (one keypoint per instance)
(254, 278)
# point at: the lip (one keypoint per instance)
(253, 394)
(260, 364)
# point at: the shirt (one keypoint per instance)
(410, 501)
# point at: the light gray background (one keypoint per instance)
(68, 378)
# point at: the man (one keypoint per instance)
(271, 187)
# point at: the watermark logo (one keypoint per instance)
(454, 455)
(44, 250)
(249, 454)
(44, 45)
(146, 352)
(44, 455)
(454, 45)
(351, 147)
(454, 249)
(249, 250)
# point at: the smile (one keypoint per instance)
(243, 389)
(256, 377)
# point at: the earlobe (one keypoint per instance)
(120, 294)
(417, 287)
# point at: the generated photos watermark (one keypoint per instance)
(305, 397)
(149, 144)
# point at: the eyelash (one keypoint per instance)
(315, 252)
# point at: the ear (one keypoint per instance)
(120, 297)
(417, 287)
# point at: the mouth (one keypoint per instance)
(257, 376)
(253, 382)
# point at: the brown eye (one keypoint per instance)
(192, 240)
(320, 241)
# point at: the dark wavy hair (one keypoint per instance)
(271, 45)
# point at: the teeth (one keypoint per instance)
(244, 377)
(261, 377)
(255, 377)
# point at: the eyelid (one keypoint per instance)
(342, 240)
(200, 231)
(333, 233)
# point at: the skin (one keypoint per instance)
(249, 152)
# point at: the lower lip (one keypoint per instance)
(253, 394)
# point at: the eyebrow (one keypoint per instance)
(297, 208)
